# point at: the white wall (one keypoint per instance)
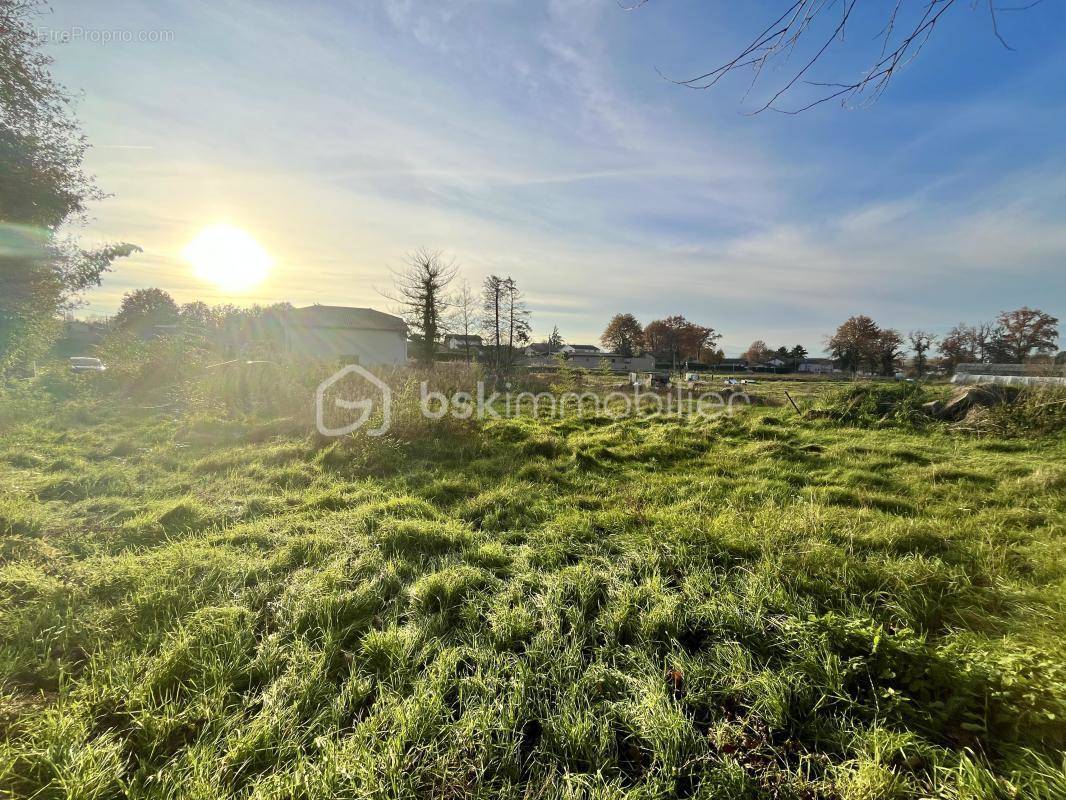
(645, 363)
(364, 347)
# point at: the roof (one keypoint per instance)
(586, 347)
(318, 316)
(462, 337)
(633, 357)
(540, 347)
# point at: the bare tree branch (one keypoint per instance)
(908, 27)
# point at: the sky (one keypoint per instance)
(539, 139)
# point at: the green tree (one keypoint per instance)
(555, 341)
(43, 187)
(853, 342)
(143, 311)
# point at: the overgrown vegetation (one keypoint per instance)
(219, 605)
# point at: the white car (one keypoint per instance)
(79, 364)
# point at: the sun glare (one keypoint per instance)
(228, 257)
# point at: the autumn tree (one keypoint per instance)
(860, 342)
(623, 335)
(887, 352)
(959, 346)
(1026, 331)
(920, 342)
(420, 291)
(677, 337)
(757, 352)
(704, 340)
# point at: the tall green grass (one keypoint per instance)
(226, 606)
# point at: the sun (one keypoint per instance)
(228, 257)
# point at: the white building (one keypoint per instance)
(615, 361)
(822, 366)
(340, 333)
(458, 341)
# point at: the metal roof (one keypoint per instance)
(319, 316)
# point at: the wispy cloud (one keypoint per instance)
(536, 140)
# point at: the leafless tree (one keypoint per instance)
(518, 324)
(420, 292)
(807, 31)
(504, 319)
(493, 297)
(464, 319)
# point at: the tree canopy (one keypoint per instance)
(43, 187)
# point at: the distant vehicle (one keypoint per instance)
(79, 364)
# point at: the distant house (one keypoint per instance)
(543, 349)
(771, 365)
(455, 341)
(542, 353)
(340, 333)
(816, 365)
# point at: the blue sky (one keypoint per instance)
(536, 139)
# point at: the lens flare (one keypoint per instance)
(228, 257)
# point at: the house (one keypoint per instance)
(540, 350)
(341, 333)
(773, 364)
(584, 349)
(461, 342)
(821, 366)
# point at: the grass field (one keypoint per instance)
(755, 606)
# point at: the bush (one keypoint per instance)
(872, 403)
(1035, 411)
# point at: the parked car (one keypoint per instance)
(79, 364)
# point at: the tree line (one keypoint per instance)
(1013, 337)
(674, 337)
(423, 294)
